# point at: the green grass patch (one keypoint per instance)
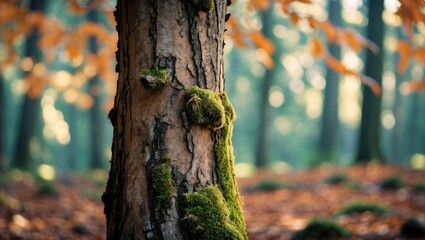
(269, 185)
(47, 188)
(335, 179)
(356, 207)
(392, 183)
(321, 229)
(419, 186)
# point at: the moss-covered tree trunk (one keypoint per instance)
(171, 172)
(369, 148)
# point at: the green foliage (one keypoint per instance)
(419, 186)
(47, 188)
(336, 178)
(207, 216)
(204, 107)
(361, 207)
(204, 5)
(271, 185)
(392, 183)
(154, 78)
(162, 185)
(321, 229)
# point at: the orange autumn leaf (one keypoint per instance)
(374, 86)
(336, 65)
(260, 4)
(265, 58)
(262, 42)
(330, 30)
(420, 54)
(405, 51)
(351, 39)
(294, 18)
(73, 50)
(415, 85)
(316, 47)
(76, 8)
(313, 23)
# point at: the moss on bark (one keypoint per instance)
(215, 111)
(208, 217)
(204, 107)
(154, 78)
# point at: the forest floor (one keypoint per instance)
(72, 209)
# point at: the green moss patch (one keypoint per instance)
(321, 229)
(214, 111)
(154, 78)
(207, 216)
(223, 150)
(205, 108)
(361, 207)
(162, 186)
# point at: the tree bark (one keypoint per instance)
(369, 141)
(31, 105)
(330, 122)
(161, 159)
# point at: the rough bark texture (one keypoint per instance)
(152, 132)
(369, 141)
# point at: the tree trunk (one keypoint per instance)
(330, 122)
(171, 173)
(263, 140)
(2, 126)
(369, 141)
(96, 112)
(31, 105)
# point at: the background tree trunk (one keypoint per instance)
(154, 142)
(2, 127)
(263, 142)
(31, 105)
(96, 112)
(330, 122)
(369, 141)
